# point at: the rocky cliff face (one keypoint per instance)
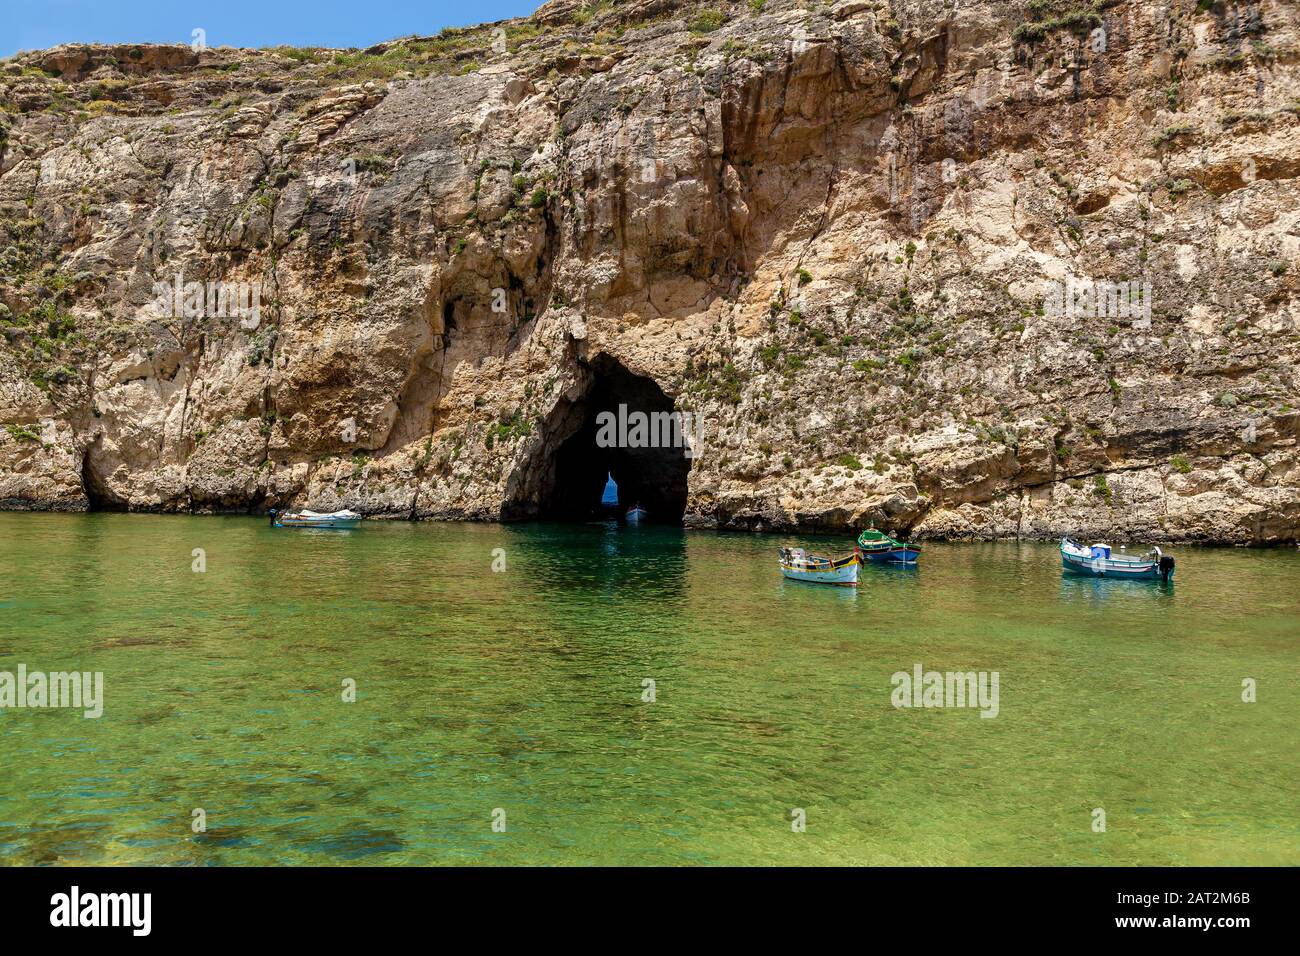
(830, 232)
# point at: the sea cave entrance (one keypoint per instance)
(622, 427)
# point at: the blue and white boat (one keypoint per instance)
(636, 514)
(315, 519)
(1099, 561)
(798, 565)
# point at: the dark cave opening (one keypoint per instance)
(98, 495)
(623, 427)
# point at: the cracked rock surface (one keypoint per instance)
(828, 229)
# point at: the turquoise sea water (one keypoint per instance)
(521, 691)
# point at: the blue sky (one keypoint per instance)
(34, 24)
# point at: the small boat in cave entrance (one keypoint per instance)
(636, 514)
(314, 519)
(1097, 561)
(798, 565)
(880, 548)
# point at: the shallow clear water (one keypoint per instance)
(522, 690)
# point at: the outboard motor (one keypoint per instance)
(272, 514)
(1166, 567)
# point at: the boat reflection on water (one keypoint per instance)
(1114, 591)
(789, 588)
(886, 569)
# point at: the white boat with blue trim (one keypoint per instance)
(1099, 561)
(315, 519)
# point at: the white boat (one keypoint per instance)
(798, 565)
(315, 519)
(1099, 561)
(636, 514)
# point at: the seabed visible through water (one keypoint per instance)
(631, 695)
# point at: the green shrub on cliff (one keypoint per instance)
(706, 21)
(23, 433)
(1171, 133)
(508, 428)
(1050, 16)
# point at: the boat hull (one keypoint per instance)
(844, 577)
(336, 523)
(1103, 568)
(903, 555)
(636, 515)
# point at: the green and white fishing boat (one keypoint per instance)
(880, 548)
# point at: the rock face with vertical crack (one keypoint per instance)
(833, 234)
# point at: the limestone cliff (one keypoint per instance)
(829, 231)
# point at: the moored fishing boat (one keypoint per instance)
(798, 565)
(315, 519)
(1098, 561)
(878, 547)
(636, 514)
